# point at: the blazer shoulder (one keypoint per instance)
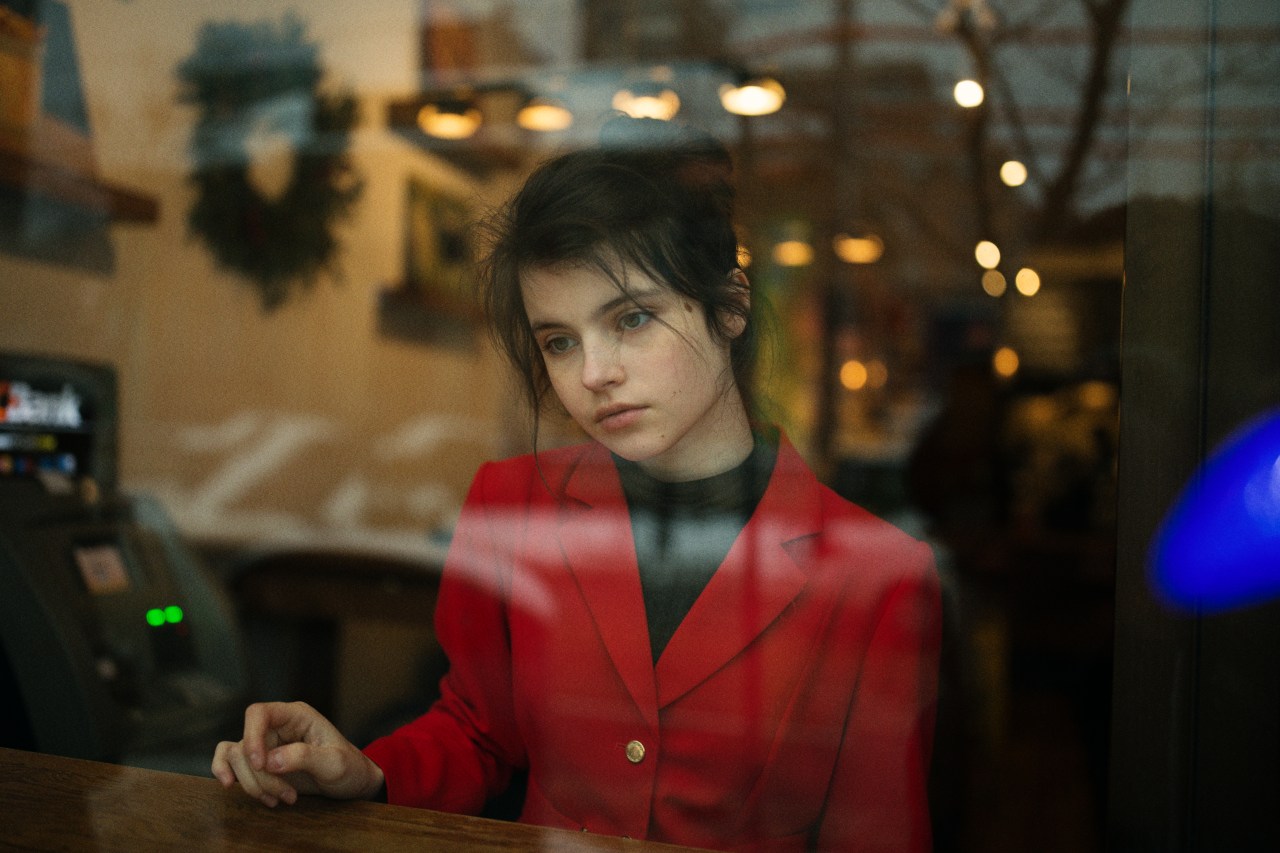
(527, 476)
(855, 533)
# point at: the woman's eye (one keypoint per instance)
(634, 320)
(557, 346)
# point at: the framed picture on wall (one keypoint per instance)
(436, 297)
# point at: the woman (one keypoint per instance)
(673, 628)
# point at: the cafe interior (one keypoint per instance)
(1019, 263)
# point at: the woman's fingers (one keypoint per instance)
(220, 767)
(335, 769)
(232, 764)
(263, 722)
(290, 748)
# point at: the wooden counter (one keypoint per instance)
(53, 803)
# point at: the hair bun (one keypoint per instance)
(691, 156)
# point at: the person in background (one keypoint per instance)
(672, 630)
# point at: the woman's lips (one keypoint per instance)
(618, 417)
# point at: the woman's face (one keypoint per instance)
(639, 371)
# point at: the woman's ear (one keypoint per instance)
(735, 322)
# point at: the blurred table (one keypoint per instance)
(53, 803)
(311, 594)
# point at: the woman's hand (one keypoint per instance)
(289, 748)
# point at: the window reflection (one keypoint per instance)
(936, 216)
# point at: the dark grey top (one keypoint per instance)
(683, 531)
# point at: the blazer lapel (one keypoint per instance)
(597, 544)
(758, 579)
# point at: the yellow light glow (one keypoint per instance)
(758, 96)
(1013, 173)
(993, 283)
(449, 121)
(662, 105)
(1027, 281)
(793, 253)
(544, 115)
(1097, 395)
(744, 257)
(968, 93)
(987, 254)
(858, 250)
(1005, 362)
(853, 375)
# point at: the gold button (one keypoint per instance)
(635, 751)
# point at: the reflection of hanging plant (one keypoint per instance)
(255, 85)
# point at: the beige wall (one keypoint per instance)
(301, 425)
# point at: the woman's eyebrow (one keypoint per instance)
(628, 298)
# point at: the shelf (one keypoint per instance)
(29, 177)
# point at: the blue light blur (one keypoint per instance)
(1219, 546)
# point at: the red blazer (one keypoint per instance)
(791, 710)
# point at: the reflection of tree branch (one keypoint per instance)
(980, 121)
(1107, 25)
(1055, 66)
(921, 9)
(1012, 30)
(1107, 176)
(1061, 189)
(1022, 140)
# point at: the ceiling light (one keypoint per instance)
(968, 93)
(1027, 281)
(752, 96)
(987, 254)
(793, 253)
(858, 250)
(994, 283)
(1013, 173)
(647, 100)
(450, 118)
(544, 114)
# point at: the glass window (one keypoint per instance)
(261, 216)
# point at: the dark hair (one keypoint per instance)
(651, 197)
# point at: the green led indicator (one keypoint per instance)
(171, 615)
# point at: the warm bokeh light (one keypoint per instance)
(987, 254)
(1005, 362)
(793, 253)
(648, 102)
(1027, 281)
(544, 115)
(994, 283)
(858, 250)
(853, 375)
(757, 96)
(968, 93)
(1013, 173)
(1097, 395)
(449, 121)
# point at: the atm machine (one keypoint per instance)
(116, 644)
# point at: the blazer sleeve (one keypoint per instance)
(462, 751)
(878, 797)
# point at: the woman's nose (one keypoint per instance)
(601, 365)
